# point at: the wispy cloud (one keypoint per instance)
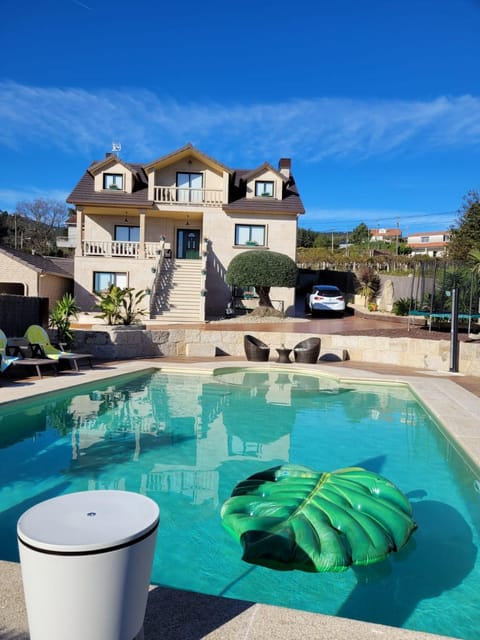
(81, 4)
(84, 123)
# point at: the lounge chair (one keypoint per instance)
(255, 349)
(26, 355)
(5, 361)
(39, 338)
(307, 351)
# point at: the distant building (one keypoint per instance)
(69, 241)
(385, 235)
(430, 243)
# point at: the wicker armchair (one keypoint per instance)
(307, 350)
(255, 349)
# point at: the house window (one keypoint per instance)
(425, 239)
(264, 188)
(124, 233)
(103, 279)
(189, 187)
(113, 181)
(250, 234)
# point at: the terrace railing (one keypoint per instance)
(121, 249)
(195, 197)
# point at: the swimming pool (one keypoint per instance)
(187, 440)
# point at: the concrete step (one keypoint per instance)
(177, 317)
(177, 292)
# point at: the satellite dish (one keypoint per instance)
(116, 146)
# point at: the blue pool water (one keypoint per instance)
(185, 441)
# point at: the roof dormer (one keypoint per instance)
(265, 182)
(112, 175)
(188, 174)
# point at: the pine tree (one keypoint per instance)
(465, 236)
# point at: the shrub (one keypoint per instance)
(402, 306)
(262, 270)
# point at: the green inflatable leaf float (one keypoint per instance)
(291, 517)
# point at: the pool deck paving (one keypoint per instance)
(179, 615)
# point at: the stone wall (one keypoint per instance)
(123, 343)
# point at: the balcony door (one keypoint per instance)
(189, 187)
(188, 244)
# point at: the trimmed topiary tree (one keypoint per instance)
(262, 270)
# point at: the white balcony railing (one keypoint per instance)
(117, 249)
(191, 197)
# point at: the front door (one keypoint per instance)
(188, 243)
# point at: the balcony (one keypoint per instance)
(190, 197)
(117, 249)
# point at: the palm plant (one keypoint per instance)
(120, 306)
(60, 318)
(370, 284)
(130, 302)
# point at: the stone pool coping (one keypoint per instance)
(177, 614)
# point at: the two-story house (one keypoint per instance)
(431, 243)
(172, 226)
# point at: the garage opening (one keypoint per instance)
(14, 288)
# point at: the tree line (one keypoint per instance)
(34, 226)
(464, 238)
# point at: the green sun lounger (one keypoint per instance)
(39, 339)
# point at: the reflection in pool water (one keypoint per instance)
(185, 441)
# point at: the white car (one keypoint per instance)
(325, 297)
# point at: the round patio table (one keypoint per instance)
(283, 355)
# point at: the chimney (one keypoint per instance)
(108, 154)
(284, 167)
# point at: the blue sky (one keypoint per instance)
(377, 102)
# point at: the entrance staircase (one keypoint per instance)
(176, 298)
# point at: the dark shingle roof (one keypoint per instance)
(66, 264)
(38, 263)
(84, 192)
(291, 203)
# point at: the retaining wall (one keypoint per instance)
(120, 343)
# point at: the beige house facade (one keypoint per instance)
(172, 226)
(430, 243)
(30, 275)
